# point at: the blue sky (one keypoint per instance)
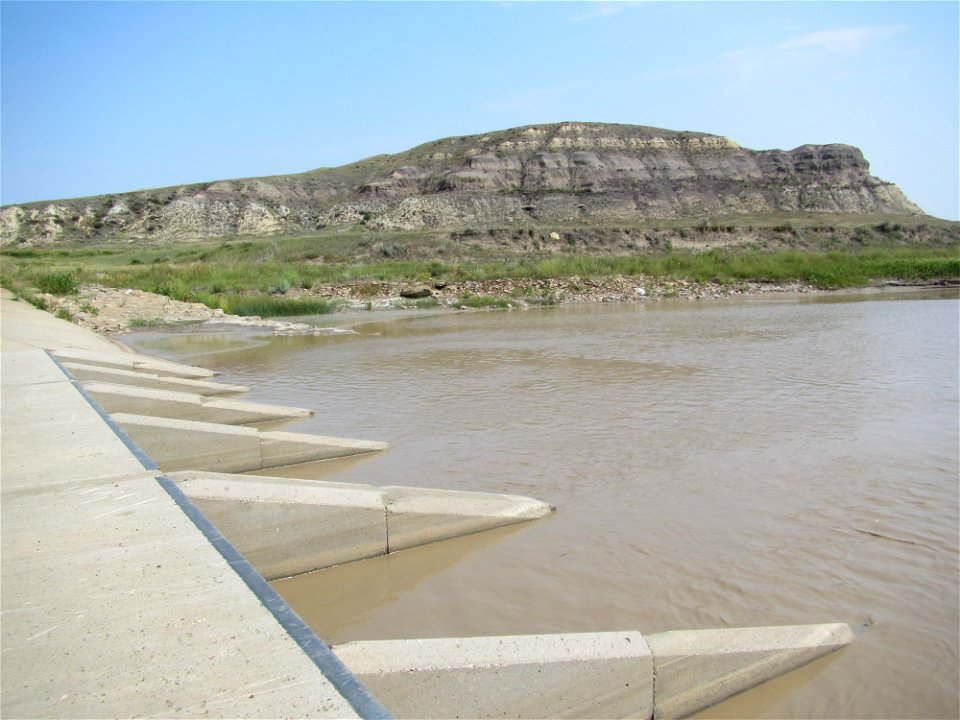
(116, 96)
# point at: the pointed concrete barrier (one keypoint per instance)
(417, 516)
(85, 373)
(698, 668)
(134, 400)
(287, 527)
(588, 675)
(133, 361)
(188, 445)
(669, 675)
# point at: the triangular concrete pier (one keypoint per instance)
(583, 675)
(698, 668)
(288, 527)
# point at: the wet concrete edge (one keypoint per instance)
(322, 656)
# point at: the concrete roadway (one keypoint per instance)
(115, 600)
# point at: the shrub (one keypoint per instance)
(265, 306)
(140, 322)
(280, 287)
(481, 301)
(58, 283)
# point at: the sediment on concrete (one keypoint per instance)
(132, 400)
(583, 675)
(191, 445)
(288, 527)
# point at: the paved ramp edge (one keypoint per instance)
(320, 654)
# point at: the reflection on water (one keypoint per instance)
(714, 464)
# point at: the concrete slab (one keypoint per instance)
(698, 668)
(50, 433)
(190, 445)
(133, 361)
(115, 602)
(285, 448)
(187, 444)
(287, 527)
(88, 373)
(26, 328)
(587, 675)
(240, 412)
(416, 516)
(134, 400)
(28, 367)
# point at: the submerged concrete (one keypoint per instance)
(584, 675)
(287, 527)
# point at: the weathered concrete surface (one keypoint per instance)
(134, 400)
(287, 448)
(132, 361)
(114, 603)
(613, 674)
(86, 373)
(187, 406)
(287, 527)
(190, 445)
(23, 327)
(417, 516)
(698, 668)
(585, 675)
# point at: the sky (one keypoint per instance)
(109, 97)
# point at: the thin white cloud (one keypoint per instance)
(807, 48)
(840, 40)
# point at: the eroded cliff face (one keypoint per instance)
(524, 176)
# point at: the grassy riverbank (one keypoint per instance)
(274, 277)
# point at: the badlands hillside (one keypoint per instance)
(554, 175)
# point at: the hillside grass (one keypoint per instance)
(257, 277)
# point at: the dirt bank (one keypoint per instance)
(112, 311)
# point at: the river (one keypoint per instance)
(715, 463)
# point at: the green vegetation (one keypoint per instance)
(56, 283)
(259, 276)
(482, 301)
(141, 322)
(276, 307)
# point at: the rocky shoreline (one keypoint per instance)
(112, 311)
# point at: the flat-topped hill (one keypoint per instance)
(527, 177)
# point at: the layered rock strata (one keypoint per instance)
(556, 173)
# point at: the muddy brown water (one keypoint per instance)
(732, 463)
